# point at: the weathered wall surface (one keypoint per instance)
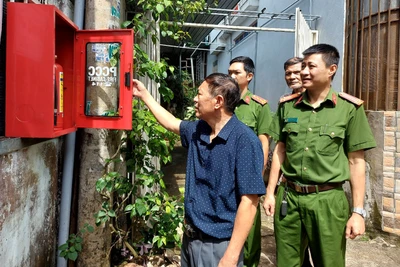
(28, 202)
(375, 180)
(29, 172)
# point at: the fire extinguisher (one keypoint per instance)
(58, 96)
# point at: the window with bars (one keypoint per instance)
(373, 53)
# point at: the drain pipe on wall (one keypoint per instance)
(69, 158)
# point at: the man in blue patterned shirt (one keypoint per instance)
(223, 174)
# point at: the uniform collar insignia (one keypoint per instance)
(334, 99)
(299, 100)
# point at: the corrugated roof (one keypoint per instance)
(198, 34)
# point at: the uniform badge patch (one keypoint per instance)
(351, 99)
(259, 99)
(284, 99)
(293, 120)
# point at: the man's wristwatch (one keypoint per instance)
(360, 211)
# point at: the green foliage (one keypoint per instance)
(161, 215)
(157, 71)
(170, 15)
(182, 105)
(157, 215)
(190, 114)
(73, 246)
(114, 59)
(154, 216)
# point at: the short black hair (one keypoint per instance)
(292, 61)
(248, 63)
(224, 85)
(329, 53)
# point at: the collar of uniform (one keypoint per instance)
(246, 97)
(224, 133)
(330, 98)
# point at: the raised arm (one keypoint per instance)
(166, 119)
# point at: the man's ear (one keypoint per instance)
(332, 69)
(219, 102)
(250, 76)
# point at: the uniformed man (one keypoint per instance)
(253, 111)
(292, 68)
(321, 138)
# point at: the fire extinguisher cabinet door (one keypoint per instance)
(104, 61)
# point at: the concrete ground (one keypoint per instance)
(364, 251)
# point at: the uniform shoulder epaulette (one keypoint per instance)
(351, 99)
(286, 98)
(259, 99)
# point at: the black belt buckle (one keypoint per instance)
(190, 231)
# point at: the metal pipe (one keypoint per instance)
(288, 7)
(191, 62)
(233, 28)
(192, 70)
(68, 162)
(258, 12)
(191, 48)
(79, 13)
(180, 61)
(1, 17)
(196, 48)
(255, 56)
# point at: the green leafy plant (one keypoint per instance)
(73, 246)
(135, 204)
(155, 216)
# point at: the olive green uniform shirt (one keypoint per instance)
(319, 139)
(254, 114)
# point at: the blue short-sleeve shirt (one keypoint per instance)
(219, 173)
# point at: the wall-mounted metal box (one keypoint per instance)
(59, 78)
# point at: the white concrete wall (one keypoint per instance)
(65, 6)
(270, 50)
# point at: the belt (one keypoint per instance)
(308, 189)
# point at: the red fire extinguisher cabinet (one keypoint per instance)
(93, 85)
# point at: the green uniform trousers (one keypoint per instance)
(252, 246)
(317, 220)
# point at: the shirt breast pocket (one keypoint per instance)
(330, 140)
(292, 140)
